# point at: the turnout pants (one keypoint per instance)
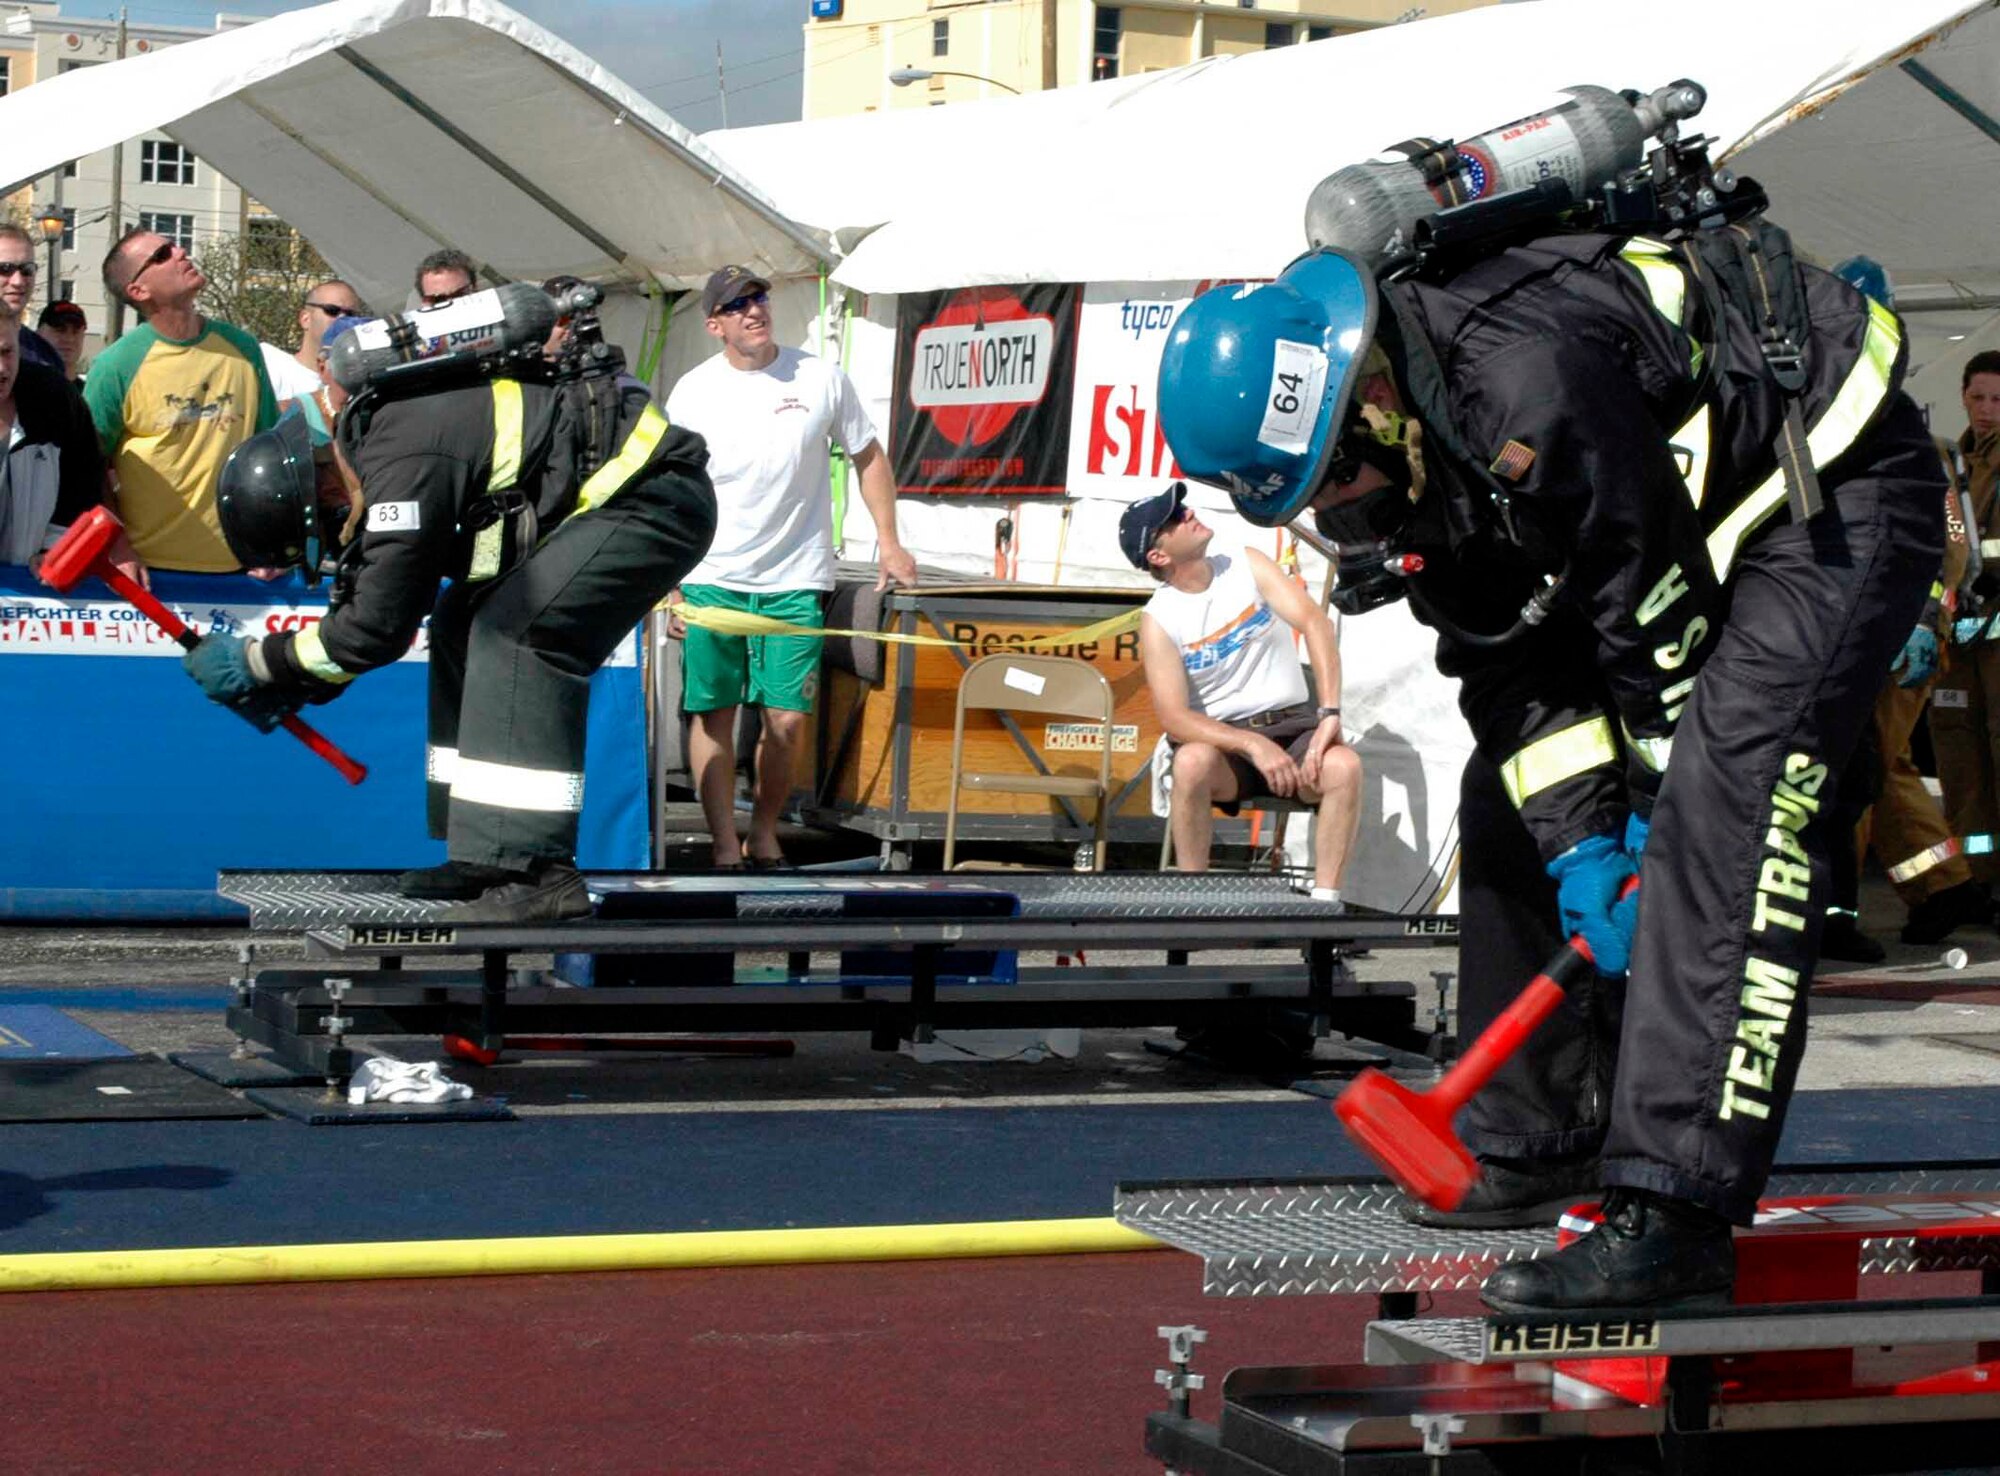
(1681, 1077)
(1734, 881)
(512, 658)
(1965, 733)
(1908, 830)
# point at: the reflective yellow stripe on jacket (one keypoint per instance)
(508, 416)
(1562, 755)
(1861, 394)
(610, 479)
(310, 653)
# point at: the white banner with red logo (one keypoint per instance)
(1116, 449)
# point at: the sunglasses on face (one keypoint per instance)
(439, 299)
(742, 304)
(160, 253)
(17, 269)
(332, 309)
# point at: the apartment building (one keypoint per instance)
(857, 50)
(163, 185)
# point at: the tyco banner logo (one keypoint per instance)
(983, 385)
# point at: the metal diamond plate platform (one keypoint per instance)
(1323, 1237)
(292, 901)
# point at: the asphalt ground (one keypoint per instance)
(1036, 1364)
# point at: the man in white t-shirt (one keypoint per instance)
(295, 376)
(770, 416)
(1216, 641)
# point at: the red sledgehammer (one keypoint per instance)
(85, 550)
(1409, 1132)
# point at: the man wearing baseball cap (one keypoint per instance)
(64, 326)
(1236, 717)
(770, 416)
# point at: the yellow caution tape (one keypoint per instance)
(743, 623)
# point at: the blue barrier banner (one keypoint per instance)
(126, 790)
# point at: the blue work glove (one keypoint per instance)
(1968, 630)
(220, 664)
(1637, 828)
(1918, 662)
(1589, 877)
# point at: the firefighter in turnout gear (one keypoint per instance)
(1673, 520)
(535, 520)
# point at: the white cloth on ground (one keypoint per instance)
(384, 1079)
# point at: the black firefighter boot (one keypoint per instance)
(1649, 1251)
(1513, 1194)
(454, 881)
(552, 891)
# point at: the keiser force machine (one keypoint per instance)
(1812, 1369)
(1864, 1331)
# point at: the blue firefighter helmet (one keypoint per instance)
(1255, 382)
(1869, 277)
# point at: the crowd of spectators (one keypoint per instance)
(150, 425)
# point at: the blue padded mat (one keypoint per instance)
(140, 1184)
(40, 1032)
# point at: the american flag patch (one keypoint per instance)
(1513, 461)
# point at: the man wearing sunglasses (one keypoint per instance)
(769, 415)
(17, 290)
(445, 275)
(1236, 719)
(295, 375)
(171, 399)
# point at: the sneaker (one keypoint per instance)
(1933, 919)
(1843, 941)
(1649, 1251)
(553, 892)
(455, 881)
(1513, 1194)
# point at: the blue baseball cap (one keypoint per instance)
(1140, 523)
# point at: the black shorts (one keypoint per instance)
(1291, 729)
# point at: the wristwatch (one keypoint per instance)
(1327, 712)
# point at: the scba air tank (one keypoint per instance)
(512, 319)
(1370, 210)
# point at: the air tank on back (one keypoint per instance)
(513, 319)
(1369, 210)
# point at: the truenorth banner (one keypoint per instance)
(983, 385)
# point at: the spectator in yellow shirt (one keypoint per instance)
(171, 400)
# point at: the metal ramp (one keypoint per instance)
(1344, 1235)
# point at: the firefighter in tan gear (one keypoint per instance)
(1966, 701)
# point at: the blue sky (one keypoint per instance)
(664, 48)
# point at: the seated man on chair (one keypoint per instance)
(1216, 640)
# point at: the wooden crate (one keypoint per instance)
(885, 751)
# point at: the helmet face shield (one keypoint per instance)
(267, 499)
(1255, 382)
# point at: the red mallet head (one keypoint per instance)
(79, 551)
(1409, 1134)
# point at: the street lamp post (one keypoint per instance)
(904, 76)
(52, 223)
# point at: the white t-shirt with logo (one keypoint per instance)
(769, 433)
(1239, 655)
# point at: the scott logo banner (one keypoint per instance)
(984, 377)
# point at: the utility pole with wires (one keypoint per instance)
(115, 323)
(721, 90)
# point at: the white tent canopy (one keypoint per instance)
(1203, 171)
(384, 129)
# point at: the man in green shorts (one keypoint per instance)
(770, 416)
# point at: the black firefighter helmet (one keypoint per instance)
(268, 499)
